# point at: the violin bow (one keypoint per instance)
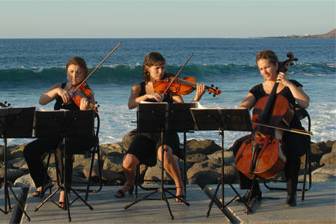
(293, 130)
(177, 74)
(99, 65)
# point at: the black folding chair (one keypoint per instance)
(302, 114)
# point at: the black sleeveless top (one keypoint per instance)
(294, 145)
(59, 103)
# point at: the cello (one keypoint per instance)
(261, 155)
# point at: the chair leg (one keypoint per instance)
(100, 175)
(100, 170)
(304, 179)
(90, 174)
(185, 164)
(136, 180)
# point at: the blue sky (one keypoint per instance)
(165, 18)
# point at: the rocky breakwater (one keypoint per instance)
(203, 164)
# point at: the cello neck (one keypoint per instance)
(265, 116)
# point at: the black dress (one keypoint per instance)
(145, 145)
(34, 151)
(293, 145)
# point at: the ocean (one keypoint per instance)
(30, 66)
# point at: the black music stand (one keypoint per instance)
(222, 119)
(64, 125)
(153, 118)
(14, 123)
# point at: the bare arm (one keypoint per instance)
(52, 93)
(248, 102)
(178, 99)
(300, 96)
(134, 98)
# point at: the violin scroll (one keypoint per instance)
(4, 104)
(215, 91)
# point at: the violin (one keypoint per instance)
(83, 91)
(179, 86)
(261, 155)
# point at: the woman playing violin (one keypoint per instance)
(146, 148)
(66, 98)
(293, 145)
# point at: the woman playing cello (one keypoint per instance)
(292, 145)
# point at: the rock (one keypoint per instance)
(314, 164)
(16, 151)
(52, 173)
(328, 159)
(113, 162)
(154, 173)
(24, 180)
(1, 152)
(80, 162)
(202, 146)
(228, 156)
(212, 169)
(127, 139)
(12, 174)
(325, 173)
(333, 148)
(324, 147)
(196, 157)
(204, 178)
(18, 163)
(107, 149)
(316, 153)
(113, 178)
(329, 144)
(13, 151)
(112, 169)
(95, 169)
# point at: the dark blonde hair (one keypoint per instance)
(153, 58)
(267, 55)
(77, 61)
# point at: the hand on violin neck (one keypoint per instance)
(200, 90)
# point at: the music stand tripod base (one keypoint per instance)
(222, 119)
(153, 118)
(64, 124)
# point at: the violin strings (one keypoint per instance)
(177, 74)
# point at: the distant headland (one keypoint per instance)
(329, 35)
